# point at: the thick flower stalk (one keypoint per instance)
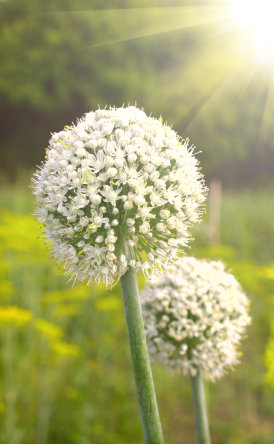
(119, 189)
(195, 317)
(117, 194)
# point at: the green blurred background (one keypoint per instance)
(65, 371)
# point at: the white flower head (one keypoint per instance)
(195, 316)
(113, 190)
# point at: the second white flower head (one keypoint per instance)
(195, 316)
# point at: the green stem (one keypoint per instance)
(199, 402)
(140, 360)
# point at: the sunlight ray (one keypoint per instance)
(196, 89)
(266, 123)
(132, 24)
(249, 76)
(216, 90)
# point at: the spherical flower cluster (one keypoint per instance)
(118, 189)
(195, 316)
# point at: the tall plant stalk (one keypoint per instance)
(199, 402)
(140, 360)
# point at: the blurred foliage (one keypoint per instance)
(44, 49)
(269, 356)
(65, 370)
(182, 59)
(246, 225)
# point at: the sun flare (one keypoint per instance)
(257, 17)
